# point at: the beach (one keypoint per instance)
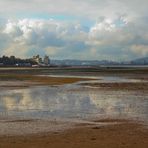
(122, 135)
(74, 108)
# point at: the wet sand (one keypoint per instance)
(130, 86)
(122, 135)
(16, 80)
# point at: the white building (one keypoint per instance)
(37, 59)
(46, 60)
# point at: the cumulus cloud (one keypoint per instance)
(114, 39)
(40, 36)
(90, 29)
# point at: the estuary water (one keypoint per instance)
(72, 101)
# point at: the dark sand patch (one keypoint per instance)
(143, 86)
(39, 79)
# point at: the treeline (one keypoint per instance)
(13, 61)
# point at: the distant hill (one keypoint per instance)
(68, 62)
(140, 61)
(82, 62)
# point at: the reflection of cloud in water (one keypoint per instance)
(108, 104)
(58, 102)
(112, 103)
(10, 100)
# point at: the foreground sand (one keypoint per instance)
(125, 135)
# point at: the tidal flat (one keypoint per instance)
(74, 107)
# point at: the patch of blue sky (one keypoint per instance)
(88, 23)
(63, 17)
(58, 17)
(33, 16)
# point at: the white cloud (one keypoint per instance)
(86, 8)
(119, 30)
(108, 38)
(140, 49)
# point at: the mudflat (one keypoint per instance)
(114, 134)
(122, 135)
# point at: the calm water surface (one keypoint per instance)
(62, 102)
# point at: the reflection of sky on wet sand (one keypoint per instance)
(121, 104)
(55, 102)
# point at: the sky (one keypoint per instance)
(74, 29)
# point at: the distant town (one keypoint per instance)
(38, 61)
(35, 61)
